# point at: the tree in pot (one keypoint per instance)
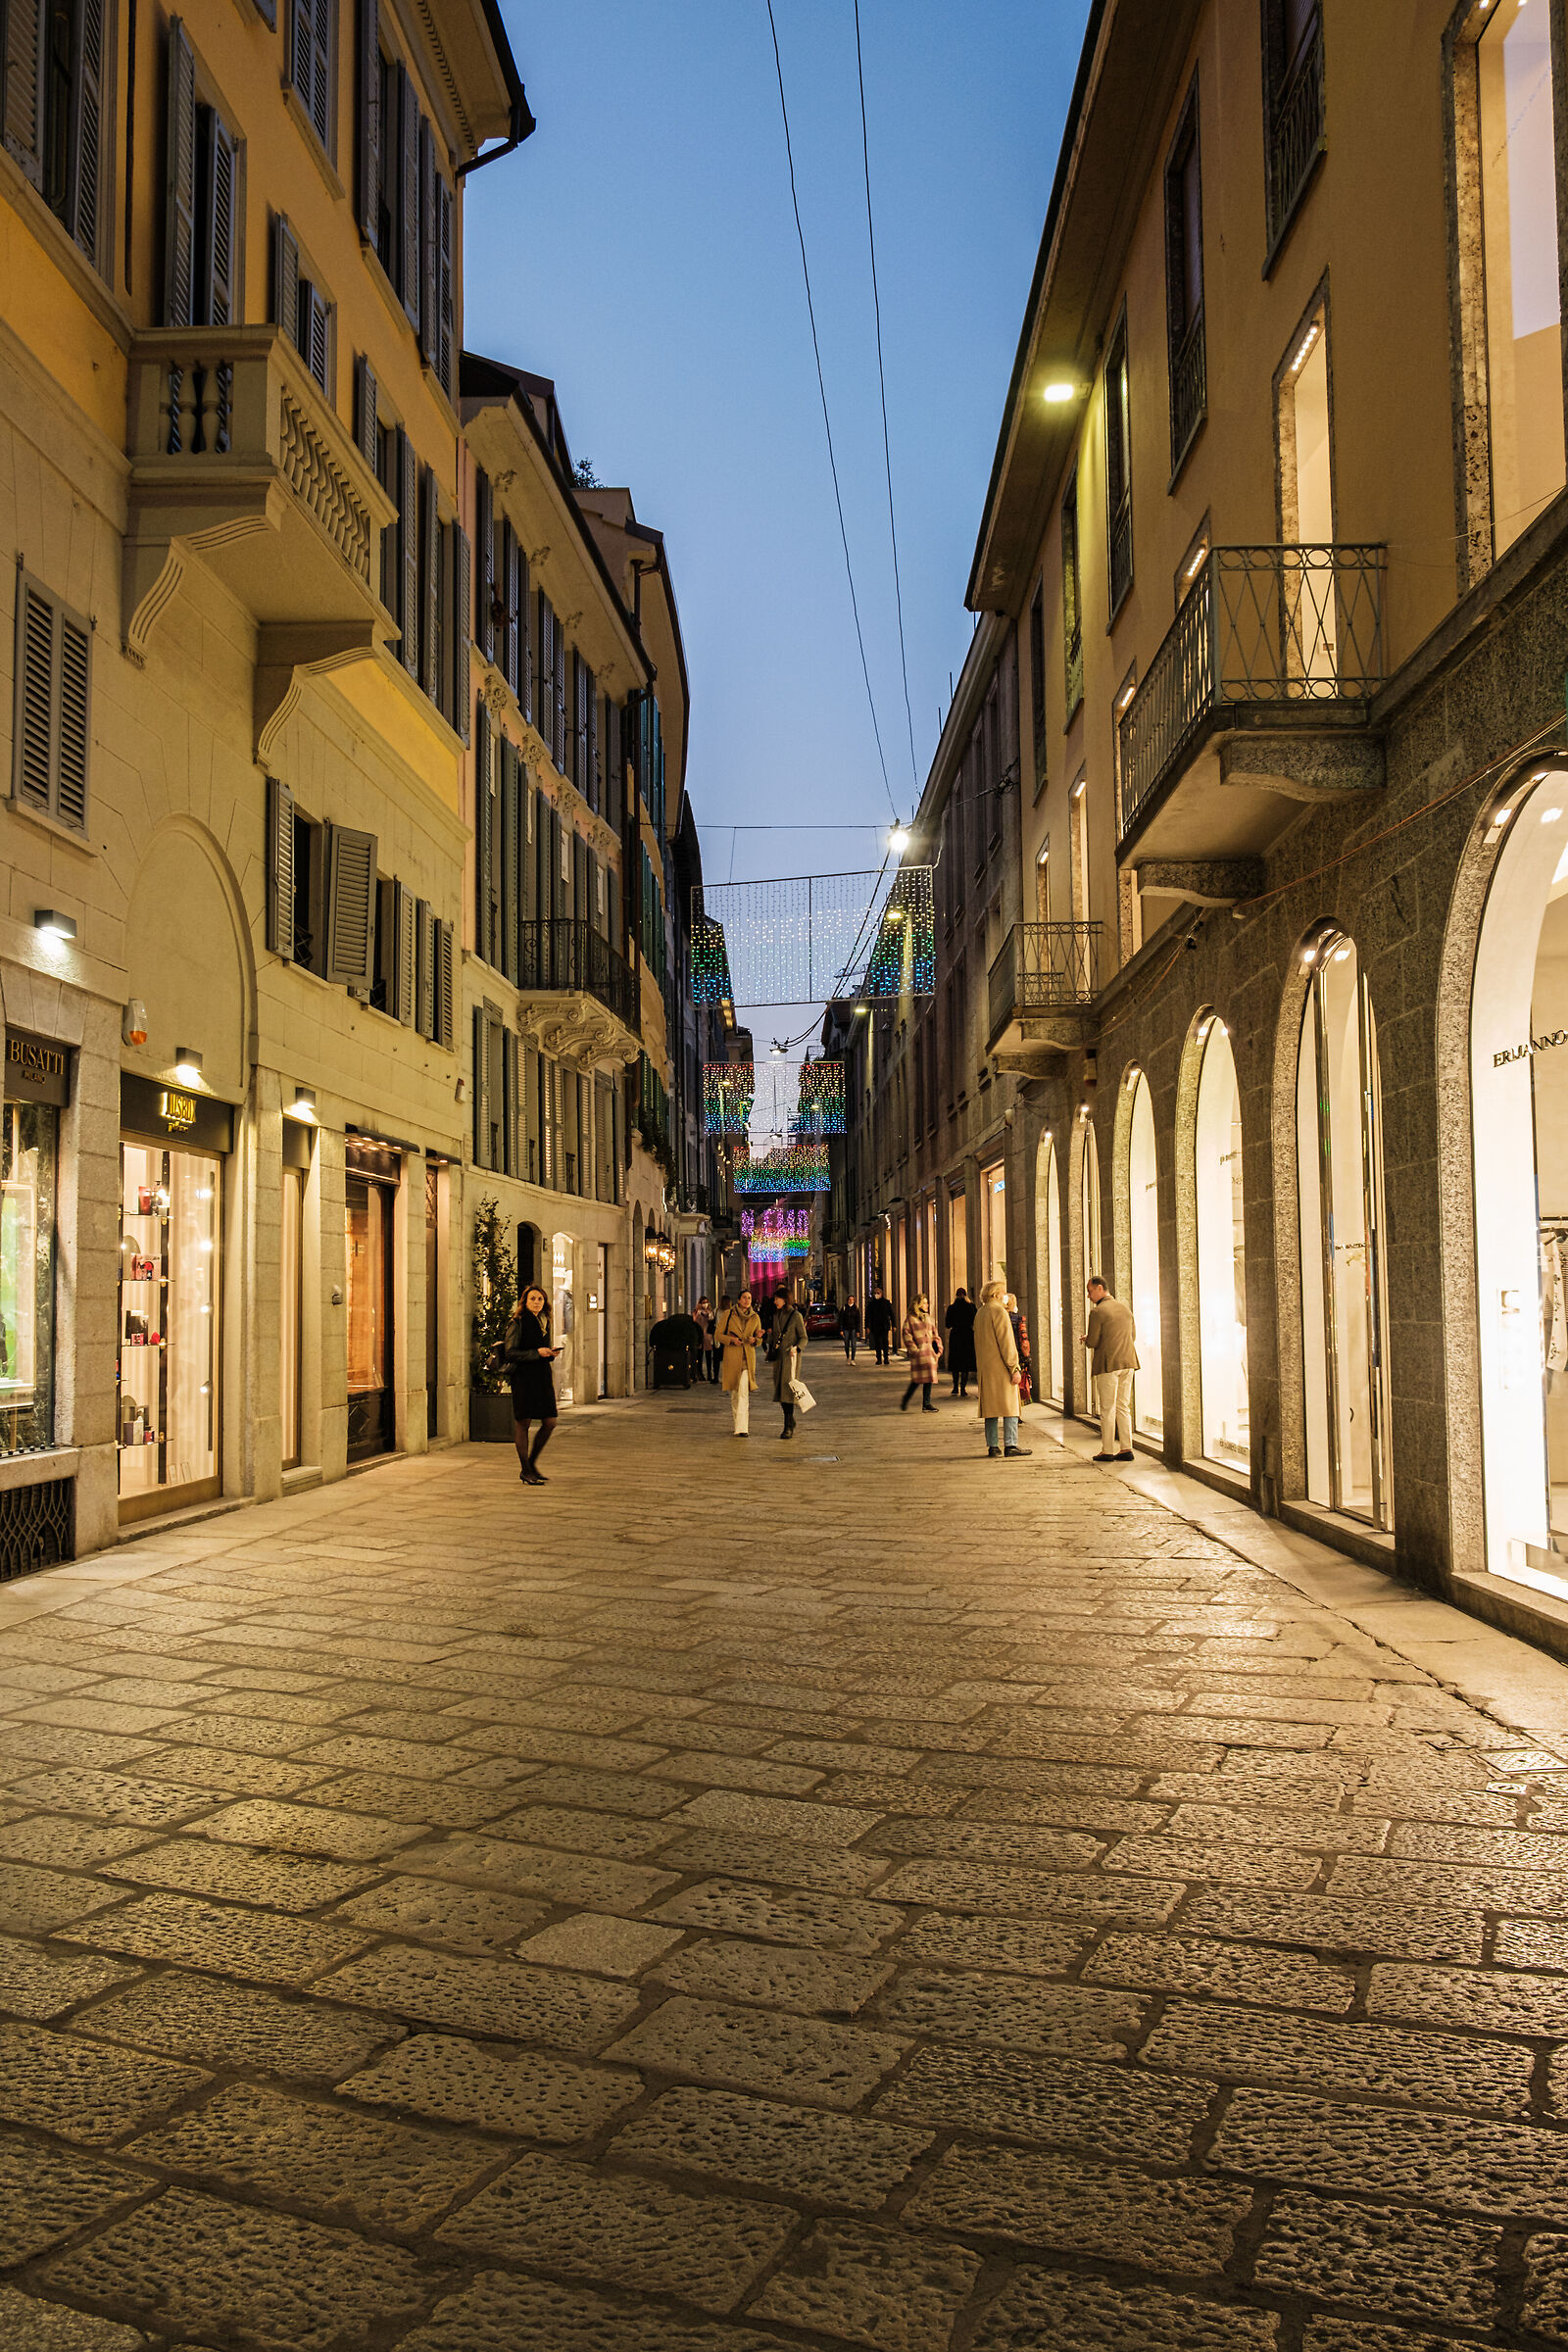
(494, 1270)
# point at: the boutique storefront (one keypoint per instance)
(373, 1174)
(174, 1150)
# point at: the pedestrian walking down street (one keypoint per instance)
(850, 1327)
(922, 1345)
(528, 1356)
(879, 1320)
(1021, 1340)
(996, 1355)
(738, 1329)
(1113, 1361)
(959, 1321)
(702, 1317)
(789, 1345)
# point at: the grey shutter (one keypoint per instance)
(314, 334)
(404, 979)
(75, 708)
(445, 301)
(368, 160)
(542, 670)
(507, 894)
(430, 257)
(180, 191)
(409, 193)
(483, 834)
(481, 1089)
(523, 608)
(596, 783)
(349, 907)
(302, 52)
(582, 903)
(280, 868)
(560, 637)
(215, 294)
(407, 487)
(462, 554)
(21, 29)
(425, 968)
(511, 1158)
(443, 985)
(33, 758)
(429, 669)
(367, 421)
(485, 552)
(86, 128)
(527, 855)
(311, 62)
(507, 571)
(584, 683)
(616, 796)
(558, 907)
(285, 277)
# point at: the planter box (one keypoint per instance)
(489, 1418)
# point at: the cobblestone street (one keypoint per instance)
(741, 1897)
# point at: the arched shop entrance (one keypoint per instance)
(1142, 1269)
(1221, 1251)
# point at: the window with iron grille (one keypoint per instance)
(1184, 285)
(52, 731)
(1072, 608)
(1118, 468)
(37, 1526)
(1293, 110)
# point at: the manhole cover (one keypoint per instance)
(821, 1457)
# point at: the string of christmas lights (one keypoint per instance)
(729, 1089)
(789, 1168)
(777, 1235)
(820, 1106)
(904, 954)
(805, 937)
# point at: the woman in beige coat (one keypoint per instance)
(996, 1355)
(738, 1330)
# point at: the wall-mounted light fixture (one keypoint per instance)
(187, 1065)
(1059, 392)
(53, 924)
(303, 1106)
(133, 1022)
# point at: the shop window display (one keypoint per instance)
(169, 1224)
(1519, 227)
(1221, 1253)
(368, 1206)
(28, 1164)
(1048, 1223)
(1142, 1230)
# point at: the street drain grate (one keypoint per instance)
(821, 1457)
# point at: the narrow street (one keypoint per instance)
(745, 1895)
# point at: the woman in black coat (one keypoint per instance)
(528, 1358)
(960, 1342)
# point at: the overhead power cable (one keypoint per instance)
(887, 447)
(821, 385)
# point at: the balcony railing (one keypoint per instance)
(571, 956)
(1296, 131)
(1189, 389)
(1044, 967)
(1289, 625)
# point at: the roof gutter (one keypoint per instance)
(521, 124)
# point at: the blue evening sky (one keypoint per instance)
(640, 250)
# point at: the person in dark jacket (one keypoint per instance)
(850, 1327)
(879, 1324)
(528, 1356)
(789, 1345)
(960, 1322)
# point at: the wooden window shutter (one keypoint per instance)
(216, 229)
(516, 595)
(430, 569)
(582, 684)
(302, 52)
(429, 322)
(286, 278)
(596, 792)
(545, 670)
(462, 568)
(405, 952)
(349, 907)
(485, 548)
(409, 193)
(509, 1080)
(445, 299)
(560, 698)
(180, 191)
(75, 714)
(367, 421)
(408, 485)
(443, 985)
(369, 110)
(83, 204)
(495, 1088)
(21, 29)
(483, 833)
(521, 606)
(506, 651)
(280, 868)
(481, 1089)
(423, 968)
(314, 333)
(511, 856)
(311, 62)
(52, 727)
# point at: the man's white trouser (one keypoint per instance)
(1114, 1402)
(739, 1408)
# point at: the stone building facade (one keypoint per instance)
(1278, 525)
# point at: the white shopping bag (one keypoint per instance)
(802, 1396)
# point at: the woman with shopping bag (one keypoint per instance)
(738, 1330)
(789, 1345)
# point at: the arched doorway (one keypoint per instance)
(1519, 1100)
(1142, 1260)
(1339, 1125)
(1220, 1234)
(1048, 1262)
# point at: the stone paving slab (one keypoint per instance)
(441, 1918)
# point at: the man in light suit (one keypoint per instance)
(1113, 1361)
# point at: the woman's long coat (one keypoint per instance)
(996, 1356)
(921, 1346)
(791, 1333)
(738, 1336)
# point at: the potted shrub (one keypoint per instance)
(494, 1270)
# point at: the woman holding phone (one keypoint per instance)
(528, 1356)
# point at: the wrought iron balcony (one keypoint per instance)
(1295, 130)
(1189, 388)
(580, 997)
(1291, 635)
(1042, 969)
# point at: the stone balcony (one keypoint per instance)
(578, 998)
(1041, 991)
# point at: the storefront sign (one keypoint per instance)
(36, 1069)
(174, 1114)
(1536, 1045)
